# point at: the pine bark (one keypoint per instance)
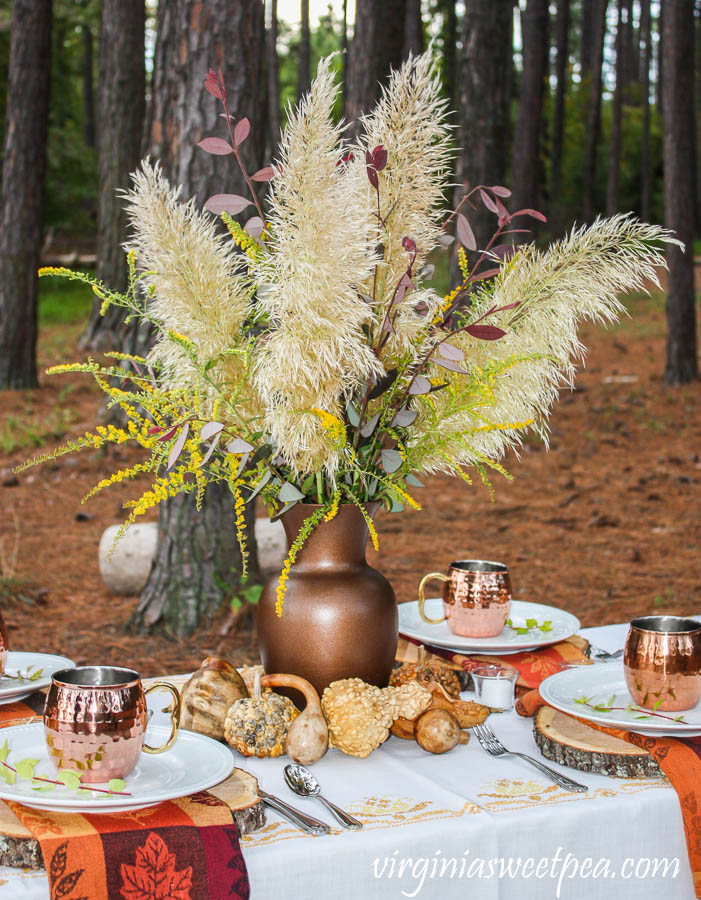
(594, 111)
(413, 28)
(121, 89)
(344, 47)
(450, 41)
(21, 212)
(526, 165)
(198, 564)
(629, 48)
(614, 170)
(659, 86)
(304, 59)
(377, 46)
(587, 37)
(88, 88)
(562, 30)
(273, 69)
(679, 190)
(645, 61)
(483, 130)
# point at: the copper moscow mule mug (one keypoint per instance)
(662, 662)
(95, 720)
(476, 597)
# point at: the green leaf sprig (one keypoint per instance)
(68, 778)
(31, 674)
(638, 711)
(530, 624)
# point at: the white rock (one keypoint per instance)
(272, 545)
(128, 568)
(129, 565)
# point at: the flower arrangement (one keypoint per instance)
(305, 357)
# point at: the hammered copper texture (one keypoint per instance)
(98, 730)
(4, 645)
(340, 615)
(477, 603)
(663, 666)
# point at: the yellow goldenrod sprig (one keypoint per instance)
(368, 518)
(305, 531)
(240, 524)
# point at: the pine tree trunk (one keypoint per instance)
(198, 564)
(629, 58)
(121, 89)
(272, 66)
(88, 88)
(21, 212)
(344, 46)
(679, 190)
(525, 166)
(594, 112)
(613, 183)
(645, 60)
(450, 41)
(587, 37)
(659, 86)
(304, 62)
(377, 46)
(413, 28)
(483, 78)
(561, 72)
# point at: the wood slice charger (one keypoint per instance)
(572, 743)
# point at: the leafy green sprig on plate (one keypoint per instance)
(640, 713)
(31, 674)
(545, 626)
(68, 778)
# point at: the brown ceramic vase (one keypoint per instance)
(339, 618)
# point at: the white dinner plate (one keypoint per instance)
(194, 763)
(599, 683)
(563, 625)
(12, 689)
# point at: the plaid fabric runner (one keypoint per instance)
(679, 759)
(185, 849)
(533, 665)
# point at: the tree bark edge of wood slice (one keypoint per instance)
(19, 850)
(571, 743)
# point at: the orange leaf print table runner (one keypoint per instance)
(186, 849)
(533, 665)
(679, 759)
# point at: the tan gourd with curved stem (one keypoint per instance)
(308, 737)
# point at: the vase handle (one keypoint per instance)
(422, 596)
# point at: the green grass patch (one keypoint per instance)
(29, 429)
(63, 302)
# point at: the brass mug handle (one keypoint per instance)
(422, 596)
(174, 715)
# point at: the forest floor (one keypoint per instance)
(606, 524)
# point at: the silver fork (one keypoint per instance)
(604, 654)
(491, 743)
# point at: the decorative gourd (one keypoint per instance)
(258, 725)
(467, 713)
(308, 737)
(208, 695)
(437, 731)
(359, 715)
(426, 673)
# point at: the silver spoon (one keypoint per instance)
(302, 782)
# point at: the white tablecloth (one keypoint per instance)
(462, 825)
